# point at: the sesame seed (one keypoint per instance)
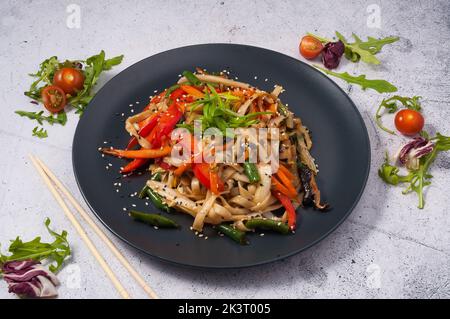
(117, 190)
(206, 237)
(200, 235)
(262, 235)
(155, 227)
(123, 114)
(99, 148)
(103, 155)
(109, 164)
(124, 209)
(130, 105)
(256, 77)
(155, 91)
(266, 79)
(137, 102)
(146, 203)
(107, 167)
(105, 142)
(134, 205)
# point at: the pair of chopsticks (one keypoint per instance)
(54, 185)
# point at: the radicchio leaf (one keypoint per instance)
(29, 278)
(332, 53)
(410, 153)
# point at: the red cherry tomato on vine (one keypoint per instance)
(409, 122)
(71, 80)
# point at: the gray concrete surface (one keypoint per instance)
(387, 248)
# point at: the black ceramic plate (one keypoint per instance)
(341, 148)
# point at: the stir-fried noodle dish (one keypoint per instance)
(229, 154)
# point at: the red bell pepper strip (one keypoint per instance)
(147, 127)
(176, 94)
(134, 165)
(192, 91)
(142, 153)
(166, 124)
(286, 202)
(208, 177)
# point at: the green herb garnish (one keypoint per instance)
(55, 252)
(191, 78)
(40, 132)
(60, 118)
(218, 113)
(381, 86)
(95, 65)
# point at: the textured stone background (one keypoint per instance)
(387, 248)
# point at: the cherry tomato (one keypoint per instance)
(71, 80)
(54, 98)
(409, 122)
(310, 47)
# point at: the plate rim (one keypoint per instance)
(247, 265)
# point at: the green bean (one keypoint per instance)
(154, 196)
(156, 177)
(153, 219)
(157, 200)
(235, 234)
(252, 172)
(143, 192)
(268, 224)
(282, 108)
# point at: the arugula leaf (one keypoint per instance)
(60, 118)
(354, 52)
(45, 74)
(95, 65)
(418, 179)
(391, 106)
(40, 132)
(55, 252)
(381, 86)
(374, 45)
(109, 63)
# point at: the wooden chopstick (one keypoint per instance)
(98, 231)
(122, 291)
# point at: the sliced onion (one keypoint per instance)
(263, 189)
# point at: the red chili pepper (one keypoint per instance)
(132, 143)
(134, 165)
(286, 202)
